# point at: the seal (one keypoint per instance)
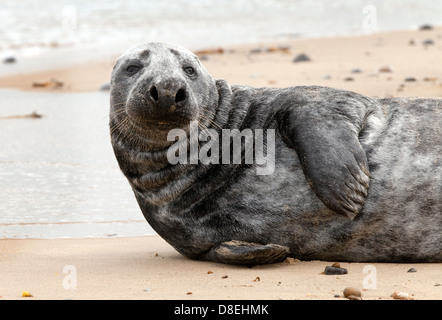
(355, 178)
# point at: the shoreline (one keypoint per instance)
(387, 64)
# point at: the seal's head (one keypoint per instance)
(156, 87)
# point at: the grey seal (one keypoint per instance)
(355, 179)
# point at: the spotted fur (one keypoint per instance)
(355, 179)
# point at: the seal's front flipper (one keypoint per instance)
(246, 253)
(334, 163)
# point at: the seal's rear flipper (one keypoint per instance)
(246, 253)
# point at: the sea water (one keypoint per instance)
(58, 174)
(52, 33)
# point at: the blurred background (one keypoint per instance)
(54, 33)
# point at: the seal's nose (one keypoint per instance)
(166, 96)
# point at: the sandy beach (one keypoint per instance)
(148, 268)
(401, 63)
(381, 64)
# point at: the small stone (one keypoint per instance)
(410, 79)
(291, 260)
(352, 293)
(224, 277)
(385, 69)
(301, 58)
(426, 27)
(349, 79)
(189, 293)
(209, 272)
(257, 279)
(34, 115)
(356, 70)
(428, 42)
(326, 77)
(10, 59)
(334, 271)
(412, 270)
(400, 295)
(53, 83)
(256, 50)
(336, 265)
(147, 290)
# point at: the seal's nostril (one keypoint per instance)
(180, 96)
(154, 93)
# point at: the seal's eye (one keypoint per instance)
(189, 70)
(132, 69)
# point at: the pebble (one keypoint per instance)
(349, 79)
(428, 42)
(53, 83)
(356, 70)
(333, 270)
(255, 50)
(291, 260)
(224, 277)
(301, 58)
(400, 295)
(284, 49)
(9, 60)
(385, 69)
(352, 293)
(26, 294)
(412, 270)
(34, 115)
(410, 79)
(426, 27)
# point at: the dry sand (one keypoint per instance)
(148, 268)
(271, 65)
